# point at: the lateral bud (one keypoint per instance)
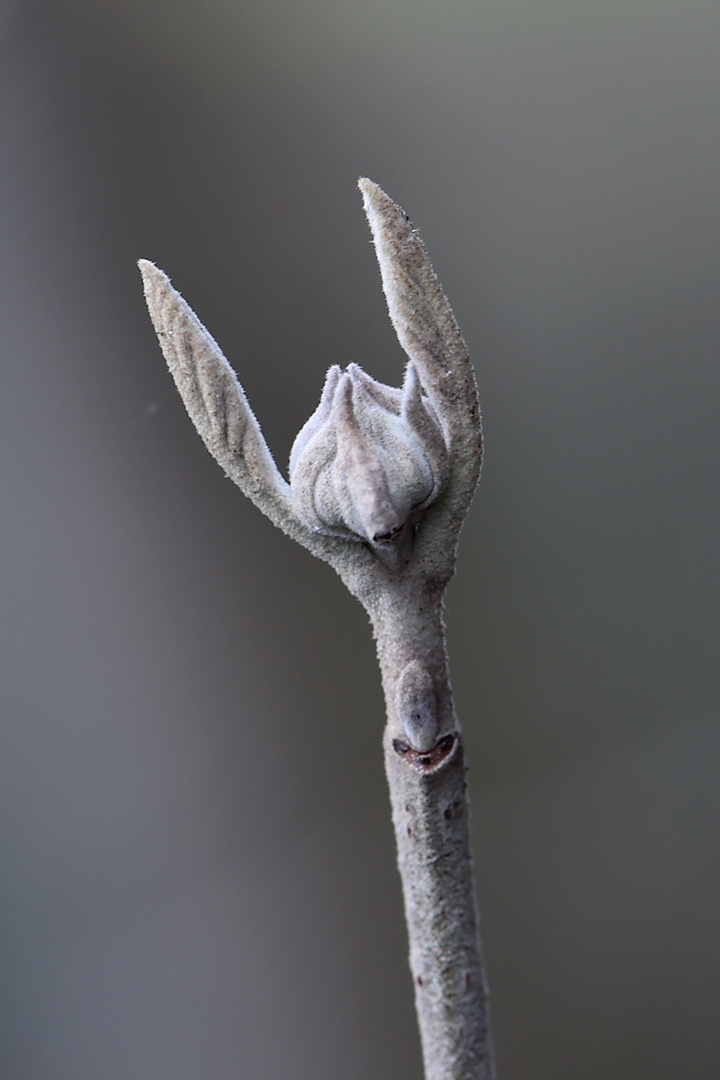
(416, 705)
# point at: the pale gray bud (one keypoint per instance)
(368, 461)
(417, 706)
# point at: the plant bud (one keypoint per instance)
(417, 706)
(368, 461)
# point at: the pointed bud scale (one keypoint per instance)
(368, 461)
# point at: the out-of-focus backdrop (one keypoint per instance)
(198, 873)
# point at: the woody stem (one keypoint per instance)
(431, 816)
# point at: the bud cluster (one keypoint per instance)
(369, 460)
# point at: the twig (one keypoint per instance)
(380, 483)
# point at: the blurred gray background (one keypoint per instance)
(198, 873)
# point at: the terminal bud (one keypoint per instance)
(369, 460)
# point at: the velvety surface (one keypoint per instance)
(198, 874)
